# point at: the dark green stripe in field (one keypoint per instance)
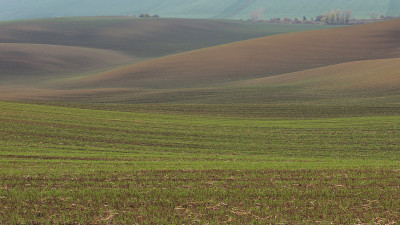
(43, 132)
(262, 111)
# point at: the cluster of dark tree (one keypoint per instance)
(295, 20)
(148, 16)
(284, 20)
(389, 17)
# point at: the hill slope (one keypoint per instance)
(257, 58)
(361, 82)
(351, 64)
(33, 63)
(35, 50)
(145, 38)
(192, 9)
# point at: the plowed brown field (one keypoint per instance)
(350, 62)
(261, 57)
(35, 62)
(379, 73)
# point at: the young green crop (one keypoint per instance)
(70, 165)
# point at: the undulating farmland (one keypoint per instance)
(348, 64)
(176, 121)
(36, 52)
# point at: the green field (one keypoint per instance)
(71, 165)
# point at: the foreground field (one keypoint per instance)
(74, 165)
(116, 196)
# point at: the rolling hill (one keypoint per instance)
(360, 82)
(34, 63)
(357, 64)
(267, 56)
(39, 50)
(222, 9)
(144, 38)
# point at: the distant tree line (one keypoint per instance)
(143, 15)
(332, 17)
(337, 16)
